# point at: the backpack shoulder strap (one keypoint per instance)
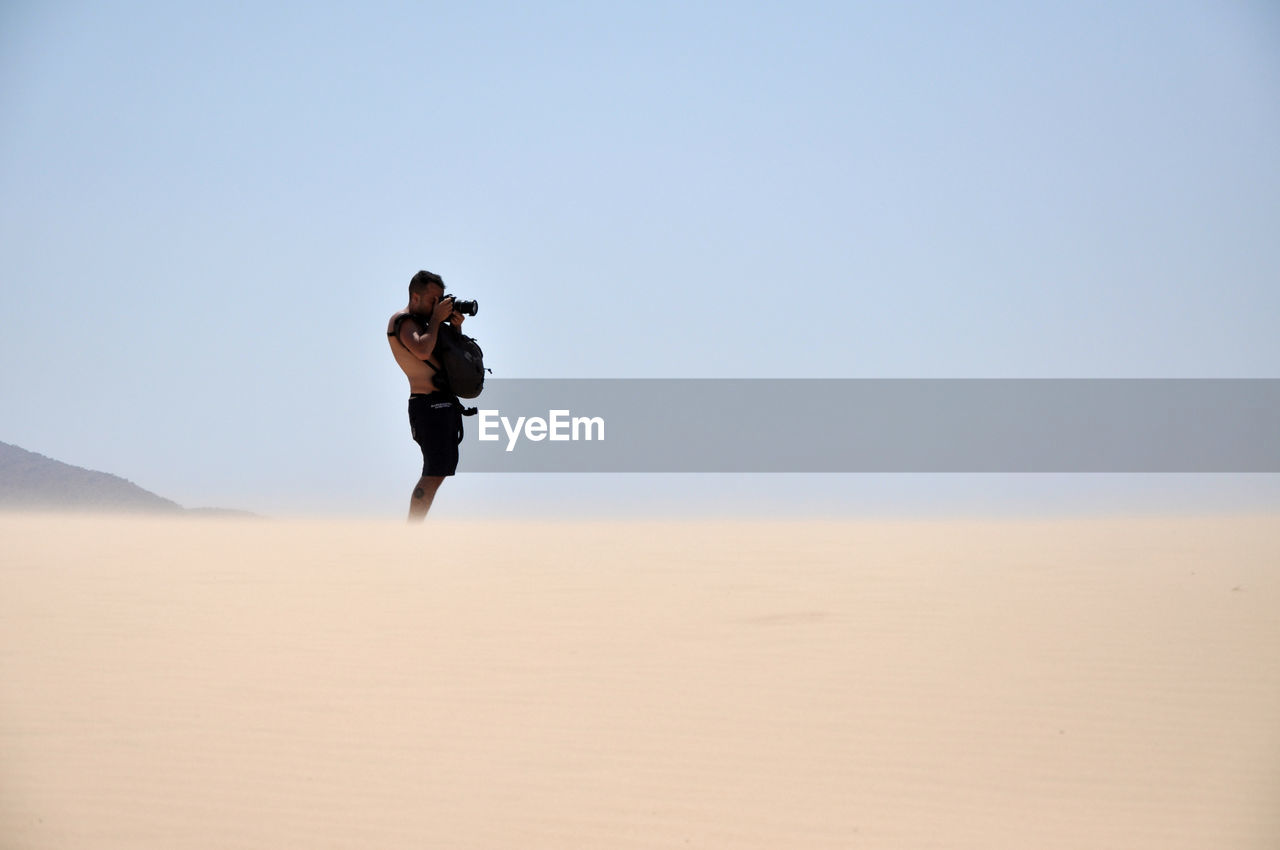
(395, 326)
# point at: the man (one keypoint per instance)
(435, 415)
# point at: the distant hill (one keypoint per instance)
(30, 481)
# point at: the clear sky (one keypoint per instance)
(208, 212)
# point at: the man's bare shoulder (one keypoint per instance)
(396, 317)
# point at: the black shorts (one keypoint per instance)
(435, 420)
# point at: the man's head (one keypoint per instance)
(425, 290)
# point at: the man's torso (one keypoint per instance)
(421, 376)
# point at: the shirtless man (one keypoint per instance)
(435, 416)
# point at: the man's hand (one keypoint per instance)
(442, 310)
(455, 319)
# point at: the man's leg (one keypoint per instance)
(423, 492)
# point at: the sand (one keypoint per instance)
(1069, 683)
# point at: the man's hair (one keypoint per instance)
(419, 282)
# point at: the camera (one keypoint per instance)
(466, 308)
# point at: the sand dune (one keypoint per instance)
(181, 684)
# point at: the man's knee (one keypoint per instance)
(427, 486)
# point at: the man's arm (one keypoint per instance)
(419, 343)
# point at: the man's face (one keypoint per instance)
(426, 302)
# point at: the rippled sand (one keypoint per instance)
(269, 684)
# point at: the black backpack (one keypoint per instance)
(461, 363)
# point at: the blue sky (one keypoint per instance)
(208, 211)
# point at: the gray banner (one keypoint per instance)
(891, 425)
